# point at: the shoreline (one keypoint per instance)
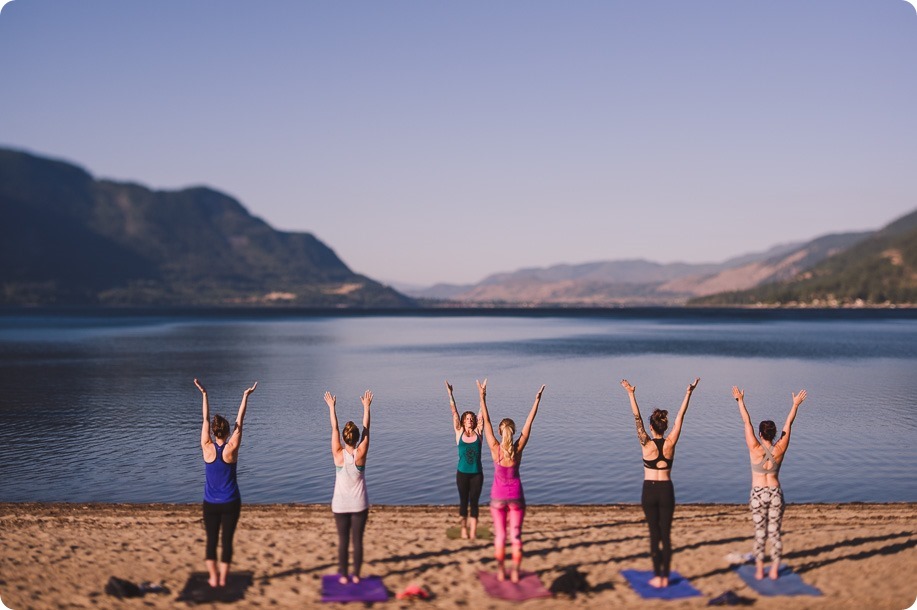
(861, 555)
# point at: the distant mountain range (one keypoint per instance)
(861, 268)
(880, 269)
(68, 239)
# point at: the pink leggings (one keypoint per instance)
(500, 510)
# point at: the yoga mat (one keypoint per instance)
(369, 589)
(787, 583)
(678, 588)
(198, 591)
(528, 587)
(482, 533)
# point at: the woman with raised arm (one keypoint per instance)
(222, 500)
(349, 503)
(658, 496)
(469, 477)
(507, 502)
(766, 501)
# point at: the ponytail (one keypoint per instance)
(507, 429)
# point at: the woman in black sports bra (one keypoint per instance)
(658, 497)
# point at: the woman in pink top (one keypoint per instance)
(507, 502)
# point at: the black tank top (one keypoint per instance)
(654, 464)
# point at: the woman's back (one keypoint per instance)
(349, 486)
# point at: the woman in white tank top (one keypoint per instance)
(349, 503)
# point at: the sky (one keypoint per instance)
(444, 141)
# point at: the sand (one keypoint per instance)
(861, 556)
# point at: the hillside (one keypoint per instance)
(879, 270)
(69, 239)
(640, 282)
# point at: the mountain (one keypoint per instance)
(69, 239)
(878, 270)
(639, 282)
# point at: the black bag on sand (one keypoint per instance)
(121, 588)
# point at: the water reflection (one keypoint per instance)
(94, 409)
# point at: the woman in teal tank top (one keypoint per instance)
(469, 476)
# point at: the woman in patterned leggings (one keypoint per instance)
(766, 499)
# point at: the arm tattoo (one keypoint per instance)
(642, 436)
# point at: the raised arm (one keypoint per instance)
(642, 436)
(527, 428)
(492, 441)
(336, 449)
(784, 441)
(363, 447)
(235, 439)
(456, 422)
(680, 418)
(750, 438)
(205, 426)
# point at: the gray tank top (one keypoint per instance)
(349, 487)
(768, 457)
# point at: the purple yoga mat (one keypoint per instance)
(528, 587)
(369, 589)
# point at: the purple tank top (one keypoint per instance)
(507, 484)
(220, 480)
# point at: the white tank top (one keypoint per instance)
(349, 488)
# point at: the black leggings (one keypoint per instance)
(659, 507)
(469, 486)
(350, 526)
(225, 514)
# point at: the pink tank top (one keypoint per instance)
(507, 484)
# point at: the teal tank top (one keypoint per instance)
(469, 456)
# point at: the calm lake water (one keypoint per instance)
(104, 409)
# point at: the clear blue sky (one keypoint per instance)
(442, 141)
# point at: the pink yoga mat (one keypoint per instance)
(528, 587)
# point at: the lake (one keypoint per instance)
(103, 408)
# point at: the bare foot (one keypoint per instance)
(342, 580)
(655, 581)
(212, 581)
(665, 582)
(464, 532)
(775, 569)
(759, 571)
(514, 575)
(354, 578)
(501, 574)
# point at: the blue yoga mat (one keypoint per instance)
(198, 591)
(369, 589)
(787, 583)
(678, 588)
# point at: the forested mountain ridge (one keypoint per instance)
(879, 270)
(69, 239)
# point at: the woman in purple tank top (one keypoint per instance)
(507, 501)
(222, 500)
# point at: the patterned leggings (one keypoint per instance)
(766, 505)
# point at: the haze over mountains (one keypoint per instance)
(868, 268)
(641, 282)
(69, 239)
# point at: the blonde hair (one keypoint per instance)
(351, 434)
(507, 429)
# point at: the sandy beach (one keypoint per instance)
(61, 555)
